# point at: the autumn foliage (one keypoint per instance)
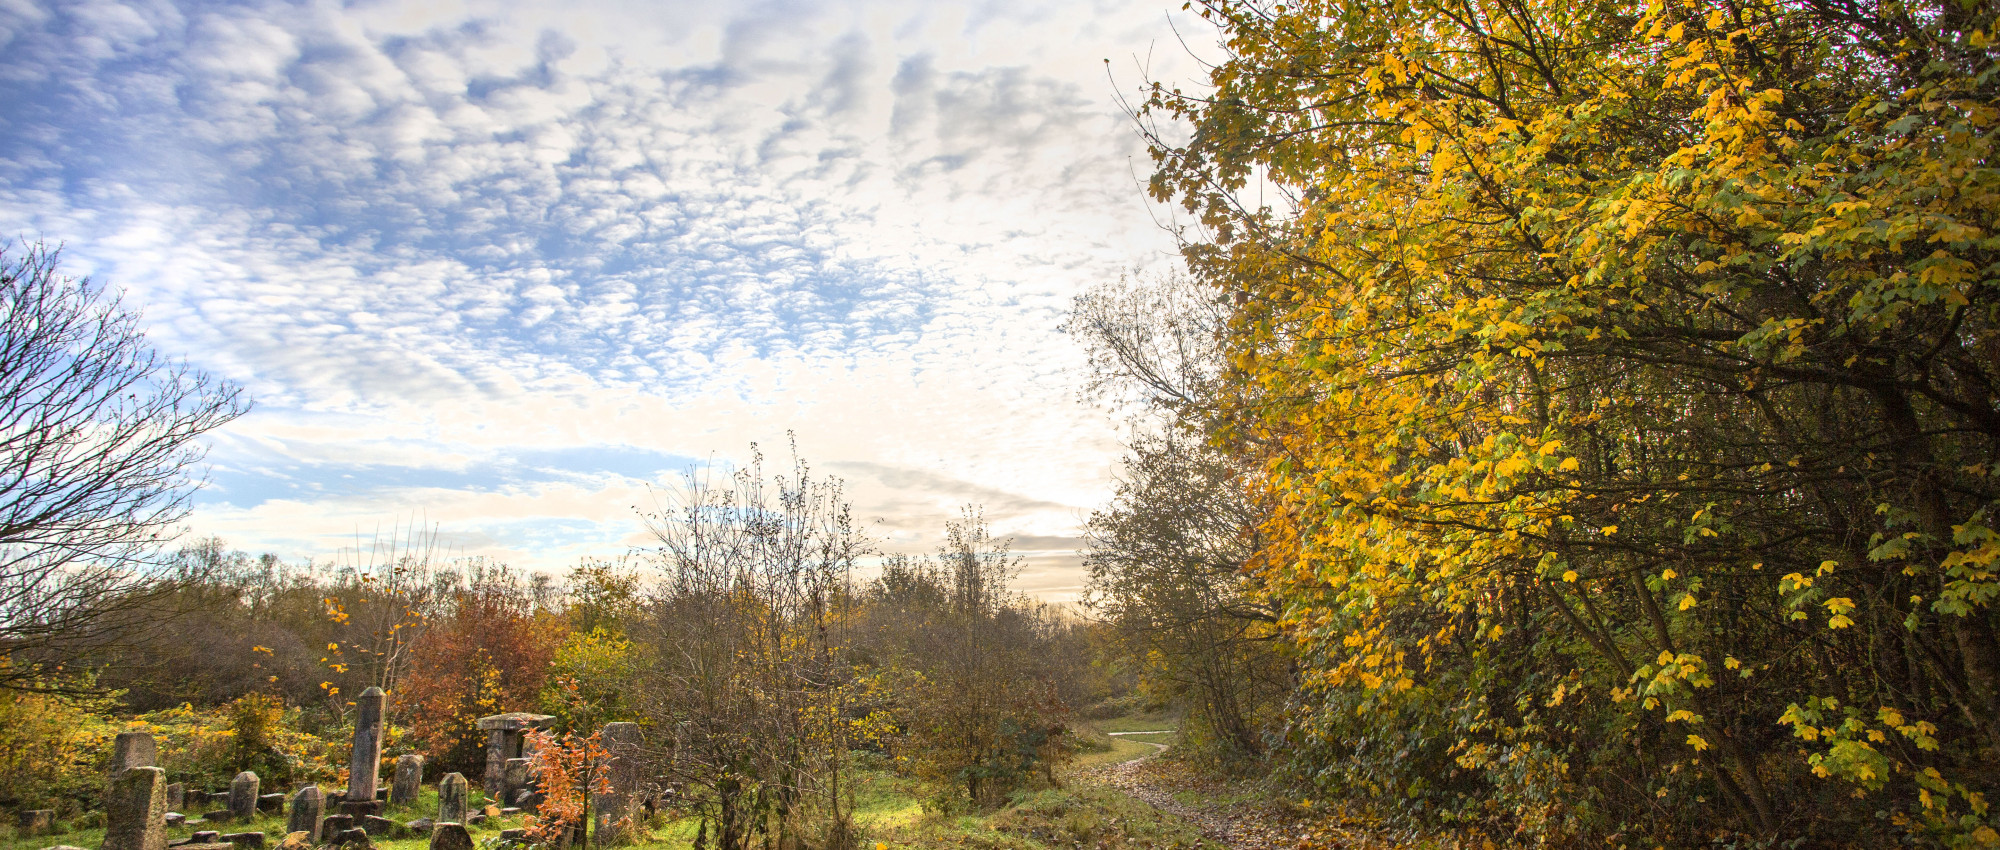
(488, 652)
(1623, 383)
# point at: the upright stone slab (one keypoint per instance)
(176, 796)
(409, 777)
(308, 807)
(367, 757)
(452, 798)
(514, 781)
(135, 810)
(133, 749)
(614, 809)
(243, 796)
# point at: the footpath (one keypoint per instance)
(1230, 816)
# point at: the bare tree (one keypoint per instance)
(749, 690)
(99, 456)
(1152, 344)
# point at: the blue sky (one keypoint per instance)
(503, 267)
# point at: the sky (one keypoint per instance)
(506, 270)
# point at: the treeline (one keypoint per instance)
(764, 646)
(1592, 433)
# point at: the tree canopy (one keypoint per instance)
(1626, 387)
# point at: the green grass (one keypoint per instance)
(1121, 750)
(1167, 738)
(1155, 722)
(887, 810)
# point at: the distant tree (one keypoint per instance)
(490, 650)
(99, 455)
(970, 668)
(1167, 561)
(746, 681)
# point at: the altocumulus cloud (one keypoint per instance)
(504, 265)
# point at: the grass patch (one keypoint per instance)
(1097, 817)
(1121, 750)
(1154, 722)
(1165, 738)
(887, 810)
(1077, 816)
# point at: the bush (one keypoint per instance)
(52, 750)
(207, 748)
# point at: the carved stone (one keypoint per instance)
(367, 757)
(133, 749)
(135, 810)
(243, 796)
(308, 807)
(452, 798)
(409, 777)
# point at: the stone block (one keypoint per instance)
(366, 758)
(308, 806)
(174, 819)
(243, 796)
(176, 796)
(296, 841)
(409, 777)
(616, 808)
(421, 826)
(133, 749)
(36, 821)
(351, 838)
(334, 825)
(206, 836)
(513, 780)
(379, 827)
(220, 816)
(245, 840)
(451, 836)
(513, 835)
(271, 804)
(453, 792)
(135, 809)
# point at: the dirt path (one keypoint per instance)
(1228, 817)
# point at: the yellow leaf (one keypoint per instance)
(1609, 530)
(1569, 575)
(1697, 743)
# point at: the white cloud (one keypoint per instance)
(431, 238)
